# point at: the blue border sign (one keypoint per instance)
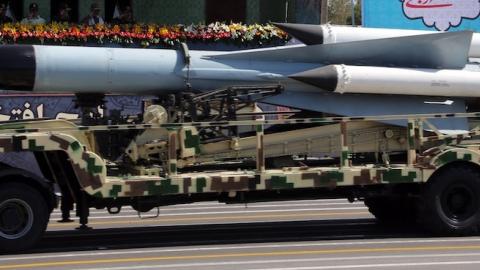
(440, 15)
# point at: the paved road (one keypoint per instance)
(294, 235)
(213, 213)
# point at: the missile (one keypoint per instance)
(393, 81)
(69, 69)
(312, 34)
(85, 70)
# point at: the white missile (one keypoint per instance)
(160, 71)
(393, 81)
(329, 34)
(87, 70)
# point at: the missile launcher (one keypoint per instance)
(298, 69)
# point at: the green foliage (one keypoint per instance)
(358, 14)
(340, 12)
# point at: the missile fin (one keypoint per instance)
(420, 51)
(366, 104)
(309, 34)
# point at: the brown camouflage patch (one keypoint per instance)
(6, 144)
(320, 180)
(172, 148)
(232, 183)
(64, 144)
(364, 178)
(136, 189)
(187, 183)
(86, 179)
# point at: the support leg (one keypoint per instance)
(83, 212)
(65, 207)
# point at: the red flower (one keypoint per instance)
(144, 34)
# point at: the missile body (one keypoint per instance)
(82, 69)
(394, 81)
(329, 34)
(41, 69)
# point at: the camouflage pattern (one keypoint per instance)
(411, 140)
(233, 181)
(189, 142)
(91, 171)
(89, 168)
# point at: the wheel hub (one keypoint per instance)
(16, 218)
(11, 218)
(458, 202)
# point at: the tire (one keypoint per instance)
(24, 216)
(392, 210)
(451, 202)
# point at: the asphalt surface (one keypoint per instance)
(293, 235)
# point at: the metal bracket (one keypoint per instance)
(114, 209)
(154, 216)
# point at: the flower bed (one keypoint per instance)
(142, 35)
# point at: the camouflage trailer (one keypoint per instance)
(436, 184)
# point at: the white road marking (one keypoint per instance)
(230, 212)
(181, 207)
(129, 210)
(242, 247)
(233, 212)
(312, 200)
(349, 258)
(383, 265)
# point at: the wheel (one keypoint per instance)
(24, 216)
(451, 202)
(389, 209)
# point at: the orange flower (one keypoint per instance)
(151, 29)
(163, 32)
(116, 29)
(146, 35)
(137, 29)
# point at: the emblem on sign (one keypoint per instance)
(441, 14)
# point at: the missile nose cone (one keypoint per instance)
(310, 34)
(17, 67)
(325, 78)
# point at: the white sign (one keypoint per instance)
(441, 14)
